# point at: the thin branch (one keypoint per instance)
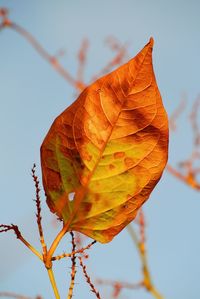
(82, 55)
(73, 268)
(177, 112)
(121, 51)
(6, 228)
(88, 280)
(189, 178)
(13, 295)
(52, 60)
(194, 121)
(142, 225)
(16, 296)
(38, 214)
(140, 245)
(118, 286)
(116, 61)
(186, 170)
(3, 13)
(81, 250)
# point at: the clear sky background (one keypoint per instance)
(32, 94)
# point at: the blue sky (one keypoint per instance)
(33, 94)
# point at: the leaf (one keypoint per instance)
(105, 153)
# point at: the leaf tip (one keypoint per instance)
(151, 42)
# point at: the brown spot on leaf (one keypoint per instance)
(111, 166)
(54, 180)
(128, 162)
(100, 141)
(125, 206)
(87, 207)
(86, 156)
(97, 197)
(78, 159)
(119, 155)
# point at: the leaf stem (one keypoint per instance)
(55, 243)
(78, 198)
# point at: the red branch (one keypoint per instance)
(82, 59)
(16, 296)
(88, 280)
(121, 52)
(52, 60)
(5, 228)
(73, 268)
(186, 171)
(81, 250)
(118, 286)
(38, 206)
(173, 118)
(194, 121)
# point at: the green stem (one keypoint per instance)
(53, 283)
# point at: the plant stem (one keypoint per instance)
(78, 198)
(147, 281)
(155, 293)
(55, 243)
(27, 244)
(53, 283)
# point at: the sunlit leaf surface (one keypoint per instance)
(105, 153)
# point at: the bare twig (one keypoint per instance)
(189, 178)
(88, 280)
(82, 59)
(16, 296)
(177, 112)
(81, 250)
(13, 295)
(140, 245)
(6, 228)
(38, 214)
(52, 60)
(121, 52)
(73, 268)
(118, 286)
(186, 171)
(194, 121)
(142, 225)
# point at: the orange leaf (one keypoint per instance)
(105, 153)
